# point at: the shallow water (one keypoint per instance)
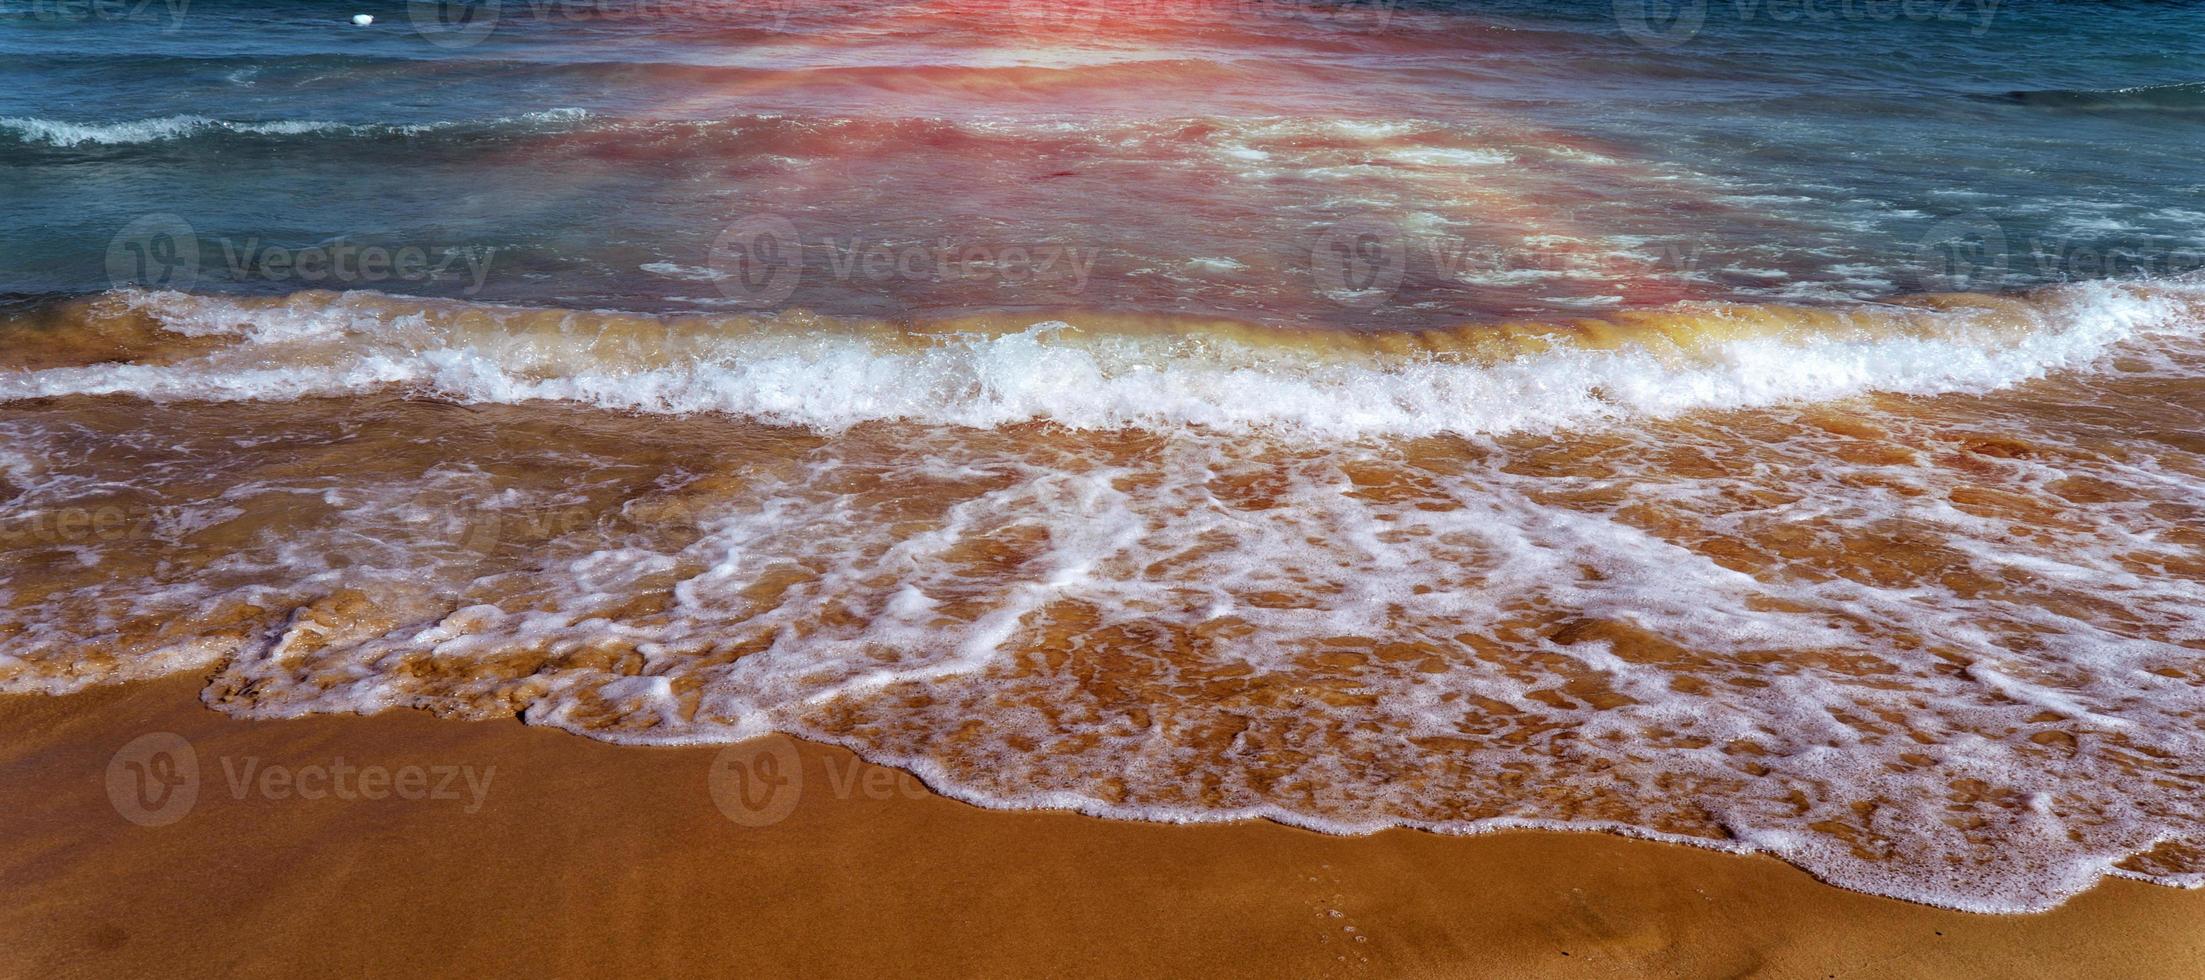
(1447, 416)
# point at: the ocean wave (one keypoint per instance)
(54, 132)
(2174, 97)
(1000, 72)
(1093, 370)
(767, 135)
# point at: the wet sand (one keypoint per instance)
(579, 856)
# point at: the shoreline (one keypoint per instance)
(498, 848)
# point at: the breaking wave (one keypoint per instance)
(1096, 371)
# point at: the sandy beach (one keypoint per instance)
(498, 849)
(1202, 488)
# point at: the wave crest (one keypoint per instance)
(1081, 370)
(2178, 96)
(61, 133)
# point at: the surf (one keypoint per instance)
(1084, 370)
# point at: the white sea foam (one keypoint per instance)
(69, 134)
(691, 273)
(1153, 549)
(1448, 157)
(1054, 371)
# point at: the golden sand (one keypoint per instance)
(588, 858)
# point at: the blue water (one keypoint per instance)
(1777, 152)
